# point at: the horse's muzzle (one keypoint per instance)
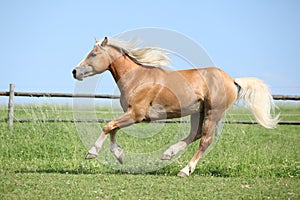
(81, 72)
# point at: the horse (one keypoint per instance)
(150, 92)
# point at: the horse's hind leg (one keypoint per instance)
(211, 119)
(206, 139)
(195, 134)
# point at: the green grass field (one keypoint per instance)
(41, 160)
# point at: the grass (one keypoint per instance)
(46, 160)
(127, 186)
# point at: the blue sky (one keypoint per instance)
(41, 41)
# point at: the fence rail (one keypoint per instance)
(11, 94)
(63, 95)
(108, 96)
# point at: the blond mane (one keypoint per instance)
(146, 56)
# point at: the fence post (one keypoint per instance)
(11, 106)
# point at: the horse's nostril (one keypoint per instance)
(74, 73)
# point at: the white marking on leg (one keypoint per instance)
(119, 154)
(99, 142)
(192, 166)
(184, 172)
(173, 150)
(115, 148)
(117, 151)
(94, 150)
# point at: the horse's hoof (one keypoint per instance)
(121, 158)
(166, 157)
(119, 154)
(90, 156)
(182, 174)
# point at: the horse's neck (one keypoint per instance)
(122, 66)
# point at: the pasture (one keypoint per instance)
(43, 160)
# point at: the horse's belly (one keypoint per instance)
(158, 111)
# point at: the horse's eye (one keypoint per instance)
(93, 54)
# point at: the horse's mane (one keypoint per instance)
(146, 56)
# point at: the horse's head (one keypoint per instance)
(96, 62)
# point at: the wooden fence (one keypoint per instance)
(11, 93)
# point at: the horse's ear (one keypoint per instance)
(97, 40)
(104, 42)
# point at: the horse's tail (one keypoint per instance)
(258, 99)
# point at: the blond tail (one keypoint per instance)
(257, 97)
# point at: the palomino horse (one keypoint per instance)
(149, 92)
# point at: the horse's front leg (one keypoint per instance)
(95, 149)
(110, 127)
(115, 148)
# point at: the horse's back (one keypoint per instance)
(213, 84)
